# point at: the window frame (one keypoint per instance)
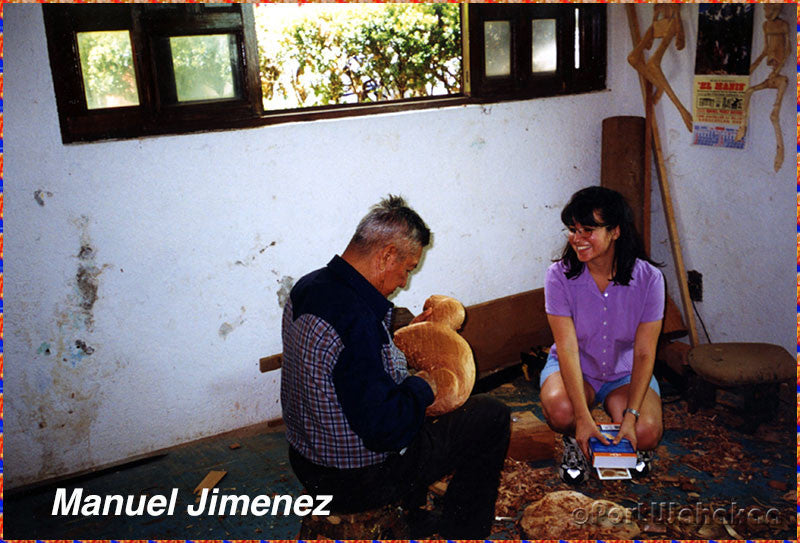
(522, 83)
(156, 115)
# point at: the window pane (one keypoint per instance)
(544, 46)
(109, 79)
(204, 66)
(497, 48)
(315, 54)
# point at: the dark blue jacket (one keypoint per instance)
(385, 414)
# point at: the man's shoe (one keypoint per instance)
(574, 469)
(644, 461)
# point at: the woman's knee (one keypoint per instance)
(648, 433)
(558, 412)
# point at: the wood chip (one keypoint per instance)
(730, 530)
(654, 528)
(234, 446)
(210, 480)
(438, 488)
(777, 485)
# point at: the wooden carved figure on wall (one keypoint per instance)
(777, 47)
(666, 26)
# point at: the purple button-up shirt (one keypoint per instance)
(605, 322)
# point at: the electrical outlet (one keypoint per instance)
(695, 285)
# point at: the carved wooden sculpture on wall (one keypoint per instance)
(776, 50)
(666, 26)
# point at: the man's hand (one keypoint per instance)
(428, 379)
(425, 315)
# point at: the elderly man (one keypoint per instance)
(355, 417)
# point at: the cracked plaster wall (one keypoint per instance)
(145, 278)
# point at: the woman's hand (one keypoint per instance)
(627, 430)
(584, 429)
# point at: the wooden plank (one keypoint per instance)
(269, 363)
(210, 480)
(531, 438)
(622, 167)
(499, 330)
(675, 356)
(673, 327)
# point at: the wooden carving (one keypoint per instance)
(777, 47)
(666, 25)
(434, 346)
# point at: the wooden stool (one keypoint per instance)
(387, 522)
(757, 367)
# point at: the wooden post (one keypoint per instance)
(623, 165)
(663, 183)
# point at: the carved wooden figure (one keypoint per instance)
(666, 25)
(434, 346)
(777, 47)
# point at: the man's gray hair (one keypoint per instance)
(390, 221)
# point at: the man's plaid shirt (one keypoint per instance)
(347, 398)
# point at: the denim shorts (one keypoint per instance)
(599, 395)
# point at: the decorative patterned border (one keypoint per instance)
(798, 259)
(1, 270)
(281, 541)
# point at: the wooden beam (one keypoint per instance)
(269, 363)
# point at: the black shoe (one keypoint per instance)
(574, 469)
(423, 523)
(644, 463)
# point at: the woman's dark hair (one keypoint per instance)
(612, 211)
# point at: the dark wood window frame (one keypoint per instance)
(522, 83)
(159, 113)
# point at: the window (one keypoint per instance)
(321, 54)
(127, 70)
(527, 50)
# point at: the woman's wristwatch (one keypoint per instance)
(633, 412)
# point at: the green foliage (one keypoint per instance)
(203, 66)
(107, 68)
(365, 55)
(362, 53)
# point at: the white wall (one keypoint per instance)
(190, 242)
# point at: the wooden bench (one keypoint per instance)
(497, 330)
